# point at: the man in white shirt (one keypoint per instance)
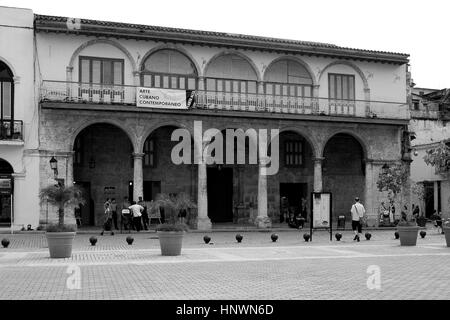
(358, 212)
(136, 213)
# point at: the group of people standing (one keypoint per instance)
(134, 215)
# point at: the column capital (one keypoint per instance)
(318, 159)
(18, 175)
(138, 155)
(136, 73)
(69, 69)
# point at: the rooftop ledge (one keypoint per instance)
(45, 23)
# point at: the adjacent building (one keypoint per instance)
(341, 113)
(430, 116)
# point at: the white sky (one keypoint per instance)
(418, 28)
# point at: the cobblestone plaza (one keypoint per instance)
(255, 269)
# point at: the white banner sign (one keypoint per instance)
(161, 98)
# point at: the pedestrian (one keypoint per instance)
(107, 225)
(358, 212)
(107, 203)
(113, 207)
(416, 211)
(126, 217)
(136, 212)
(384, 212)
(145, 219)
(78, 216)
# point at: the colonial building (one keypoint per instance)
(19, 158)
(430, 116)
(342, 114)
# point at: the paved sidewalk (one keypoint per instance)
(257, 268)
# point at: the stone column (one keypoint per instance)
(203, 221)
(138, 177)
(318, 184)
(315, 100)
(261, 98)
(262, 220)
(69, 169)
(436, 196)
(369, 194)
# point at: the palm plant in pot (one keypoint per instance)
(395, 180)
(60, 235)
(171, 232)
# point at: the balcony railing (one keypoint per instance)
(11, 130)
(60, 91)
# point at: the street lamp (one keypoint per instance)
(54, 166)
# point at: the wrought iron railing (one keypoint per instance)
(61, 91)
(11, 129)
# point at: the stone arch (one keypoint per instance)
(170, 47)
(9, 65)
(362, 141)
(296, 59)
(115, 123)
(311, 141)
(5, 165)
(113, 43)
(237, 53)
(354, 67)
(149, 130)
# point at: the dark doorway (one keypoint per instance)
(6, 189)
(291, 195)
(220, 194)
(429, 198)
(87, 209)
(151, 189)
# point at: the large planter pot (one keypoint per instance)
(170, 242)
(60, 244)
(408, 235)
(447, 235)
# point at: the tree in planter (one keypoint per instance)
(62, 196)
(394, 179)
(173, 205)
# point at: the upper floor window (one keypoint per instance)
(6, 93)
(101, 70)
(416, 105)
(231, 73)
(341, 86)
(288, 78)
(169, 69)
(293, 153)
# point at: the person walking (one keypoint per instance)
(126, 217)
(358, 212)
(113, 207)
(145, 219)
(136, 212)
(107, 225)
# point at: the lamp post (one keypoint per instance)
(54, 166)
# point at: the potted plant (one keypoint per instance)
(407, 231)
(171, 232)
(60, 235)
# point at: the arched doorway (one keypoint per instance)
(161, 173)
(6, 190)
(289, 189)
(343, 172)
(103, 167)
